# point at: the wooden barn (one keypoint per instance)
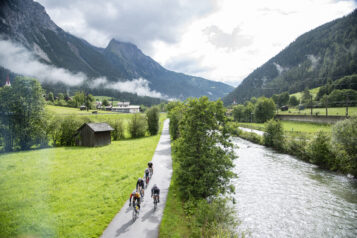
(94, 134)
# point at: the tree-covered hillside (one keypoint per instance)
(324, 54)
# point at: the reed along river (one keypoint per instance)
(278, 195)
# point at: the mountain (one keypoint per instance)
(26, 22)
(326, 53)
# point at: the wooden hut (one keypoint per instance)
(94, 134)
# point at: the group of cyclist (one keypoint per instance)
(138, 193)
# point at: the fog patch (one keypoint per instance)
(19, 60)
(314, 61)
(280, 68)
(138, 86)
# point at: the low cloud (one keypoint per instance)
(21, 61)
(232, 41)
(280, 68)
(138, 86)
(314, 61)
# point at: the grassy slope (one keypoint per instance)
(313, 92)
(174, 222)
(69, 191)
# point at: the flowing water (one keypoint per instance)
(278, 195)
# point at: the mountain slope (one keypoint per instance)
(26, 22)
(328, 52)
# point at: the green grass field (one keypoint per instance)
(71, 110)
(69, 191)
(333, 111)
(293, 127)
(313, 92)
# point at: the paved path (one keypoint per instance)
(147, 225)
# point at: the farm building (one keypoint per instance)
(126, 108)
(93, 134)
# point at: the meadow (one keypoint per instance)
(291, 127)
(69, 191)
(332, 111)
(71, 110)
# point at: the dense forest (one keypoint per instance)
(325, 54)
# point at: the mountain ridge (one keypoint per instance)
(119, 61)
(325, 53)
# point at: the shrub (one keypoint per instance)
(274, 135)
(118, 127)
(153, 117)
(137, 126)
(69, 126)
(320, 152)
(264, 109)
(297, 146)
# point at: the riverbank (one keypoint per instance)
(313, 144)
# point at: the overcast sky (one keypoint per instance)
(221, 40)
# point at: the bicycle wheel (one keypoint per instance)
(134, 215)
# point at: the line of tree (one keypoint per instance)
(336, 151)
(205, 157)
(255, 110)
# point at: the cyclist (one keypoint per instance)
(155, 191)
(140, 185)
(146, 175)
(136, 198)
(150, 166)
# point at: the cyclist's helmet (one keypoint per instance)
(154, 185)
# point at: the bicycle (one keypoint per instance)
(136, 211)
(156, 199)
(151, 172)
(141, 191)
(147, 181)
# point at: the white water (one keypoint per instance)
(280, 196)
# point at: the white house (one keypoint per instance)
(125, 107)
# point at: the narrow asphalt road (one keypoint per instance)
(148, 222)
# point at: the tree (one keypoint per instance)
(293, 101)
(137, 126)
(153, 117)
(248, 111)
(60, 96)
(105, 102)
(79, 99)
(204, 153)
(238, 112)
(274, 134)
(22, 114)
(175, 114)
(50, 97)
(283, 99)
(264, 109)
(89, 101)
(319, 150)
(306, 97)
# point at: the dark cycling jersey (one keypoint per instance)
(140, 183)
(155, 190)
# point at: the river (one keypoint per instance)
(278, 195)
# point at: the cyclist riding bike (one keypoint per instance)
(140, 186)
(151, 169)
(136, 198)
(155, 192)
(146, 175)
